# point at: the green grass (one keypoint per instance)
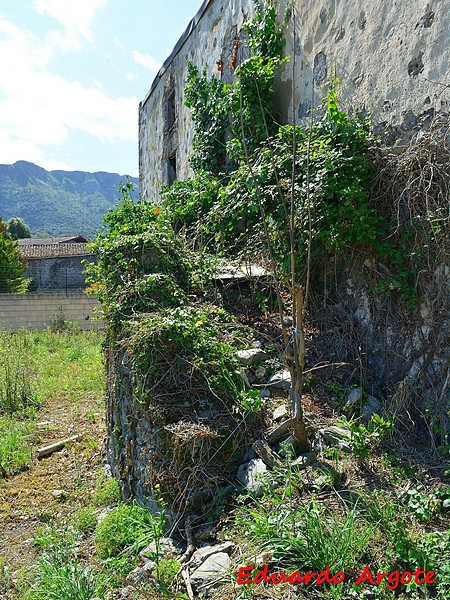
(126, 528)
(37, 367)
(15, 452)
(59, 574)
(67, 363)
(107, 491)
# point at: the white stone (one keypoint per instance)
(353, 397)
(280, 380)
(251, 475)
(281, 412)
(203, 553)
(251, 356)
(211, 573)
(335, 437)
(164, 547)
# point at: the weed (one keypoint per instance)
(85, 520)
(364, 439)
(66, 580)
(17, 391)
(126, 528)
(308, 537)
(424, 506)
(107, 491)
(15, 452)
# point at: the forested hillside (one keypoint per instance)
(57, 202)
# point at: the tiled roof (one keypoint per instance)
(29, 251)
(67, 239)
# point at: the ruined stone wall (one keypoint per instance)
(392, 59)
(159, 138)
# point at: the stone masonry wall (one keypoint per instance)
(392, 59)
(58, 273)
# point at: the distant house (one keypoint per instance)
(56, 262)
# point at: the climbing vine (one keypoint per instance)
(229, 117)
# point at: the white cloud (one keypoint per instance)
(75, 16)
(145, 60)
(131, 76)
(39, 109)
(118, 44)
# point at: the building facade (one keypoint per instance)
(392, 59)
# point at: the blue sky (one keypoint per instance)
(72, 73)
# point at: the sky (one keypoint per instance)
(72, 74)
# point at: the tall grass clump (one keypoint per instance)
(127, 528)
(308, 537)
(17, 390)
(59, 575)
(15, 453)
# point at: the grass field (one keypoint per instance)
(37, 368)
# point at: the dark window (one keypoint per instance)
(172, 169)
(171, 114)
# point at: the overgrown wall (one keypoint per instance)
(38, 311)
(392, 59)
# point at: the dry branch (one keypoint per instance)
(47, 450)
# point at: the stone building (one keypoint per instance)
(56, 263)
(392, 59)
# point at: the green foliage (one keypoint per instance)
(85, 519)
(429, 551)
(17, 229)
(15, 451)
(36, 366)
(424, 506)
(192, 354)
(190, 200)
(17, 378)
(364, 439)
(308, 537)
(59, 573)
(141, 262)
(210, 104)
(107, 491)
(66, 581)
(126, 527)
(12, 269)
(333, 174)
(247, 103)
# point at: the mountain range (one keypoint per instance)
(56, 203)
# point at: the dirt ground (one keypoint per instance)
(54, 487)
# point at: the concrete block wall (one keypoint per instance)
(39, 311)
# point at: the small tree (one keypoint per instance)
(12, 269)
(17, 229)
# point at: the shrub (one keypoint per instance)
(192, 355)
(126, 527)
(16, 375)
